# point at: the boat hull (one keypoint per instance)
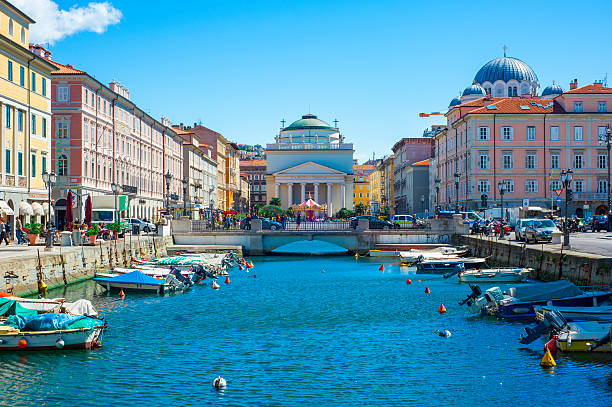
(493, 277)
(132, 287)
(434, 267)
(527, 311)
(82, 338)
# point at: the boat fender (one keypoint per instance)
(22, 343)
(97, 344)
(2, 341)
(552, 344)
(548, 360)
(59, 344)
(121, 294)
(219, 383)
(408, 281)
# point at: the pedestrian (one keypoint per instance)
(298, 220)
(283, 219)
(8, 232)
(3, 232)
(18, 228)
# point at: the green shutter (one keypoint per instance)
(33, 165)
(20, 163)
(44, 164)
(7, 160)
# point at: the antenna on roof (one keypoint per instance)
(505, 49)
(605, 80)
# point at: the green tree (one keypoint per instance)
(344, 213)
(257, 208)
(275, 202)
(360, 209)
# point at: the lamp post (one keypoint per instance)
(49, 179)
(115, 189)
(168, 178)
(457, 192)
(185, 182)
(502, 189)
(608, 140)
(437, 181)
(212, 219)
(566, 178)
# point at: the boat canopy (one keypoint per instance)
(11, 307)
(545, 291)
(51, 322)
(135, 277)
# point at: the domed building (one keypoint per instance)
(310, 159)
(473, 92)
(507, 76)
(552, 91)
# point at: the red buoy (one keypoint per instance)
(22, 344)
(552, 344)
(409, 281)
(442, 309)
(254, 275)
(227, 280)
(427, 291)
(121, 293)
(382, 267)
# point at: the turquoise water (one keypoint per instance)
(327, 331)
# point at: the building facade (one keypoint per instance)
(255, 171)
(407, 151)
(387, 180)
(25, 121)
(361, 184)
(311, 159)
(522, 143)
(417, 186)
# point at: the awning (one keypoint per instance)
(25, 209)
(5, 209)
(38, 209)
(45, 206)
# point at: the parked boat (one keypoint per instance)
(494, 275)
(137, 281)
(447, 265)
(440, 253)
(601, 313)
(384, 253)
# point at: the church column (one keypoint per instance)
(303, 185)
(290, 186)
(329, 193)
(343, 191)
(277, 187)
(316, 192)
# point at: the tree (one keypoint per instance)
(269, 211)
(360, 209)
(275, 202)
(257, 208)
(344, 213)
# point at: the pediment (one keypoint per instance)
(309, 168)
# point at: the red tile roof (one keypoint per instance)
(254, 163)
(66, 69)
(514, 105)
(424, 162)
(592, 88)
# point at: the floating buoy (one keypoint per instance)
(227, 280)
(442, 309)
(323, 271)
(121, 294)
(418, 281)
(254, 275)
(382, 267)
(548, 360)
(252, 265)
(241, 268)
(409, 281)
(219, 383)
(552, 344)
(22, 344)
(59, 344)
(427, 290)
(356, 255)
(97, 344)
(445, 333)
(214, 285)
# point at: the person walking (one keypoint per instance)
(283, 220)
(298, 220)
(3, 232)
(18, 228)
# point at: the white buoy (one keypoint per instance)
(219, 383)
(445, 333)
(59, 343)
(214, 285)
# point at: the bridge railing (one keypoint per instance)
(317, 226)
(208, 226)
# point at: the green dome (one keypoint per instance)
(309, 122)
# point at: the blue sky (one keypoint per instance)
(242, 66)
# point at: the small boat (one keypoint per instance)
(384, 253)
(588, 336)
(441, 253)
(134, 281)
(601, 313)
(495, 275)
(441, 266)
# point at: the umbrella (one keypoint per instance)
(69, 217)
(88, 210)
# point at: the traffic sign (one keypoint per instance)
(558, 191)
(559, 200)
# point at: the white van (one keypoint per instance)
(403, 221)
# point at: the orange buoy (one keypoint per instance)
(427, 291)
(382, 267)
(409, 281)
(22, 344)
(121, 293)
(254, 275)
(552, 344)
(227, 280)
(241, 268)
(442, 309)
(252, 265)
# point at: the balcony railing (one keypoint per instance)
(589, 196)
(310, 146)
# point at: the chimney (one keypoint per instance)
(574, 84)
(598, 85)
(181, 126)
(195, 124)
(40, 51)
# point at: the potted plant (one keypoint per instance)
(92, 232)
(116, 228)
(33, 229)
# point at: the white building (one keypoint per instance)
(311, 159)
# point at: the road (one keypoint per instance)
(590, 242)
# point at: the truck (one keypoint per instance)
(518, 212)
(103, 209)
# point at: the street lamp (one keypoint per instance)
(502, 190)
(437, 182)
(115, 189)
(608, 140)
(457, 191)
(185, 182)
(49, 179)
(566, 178)
(168, 178)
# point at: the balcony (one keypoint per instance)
(590, 196)
(310, 146)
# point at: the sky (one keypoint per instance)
(240, 67)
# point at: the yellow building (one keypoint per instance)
(361, 185)
(375, 189)
(25, 120)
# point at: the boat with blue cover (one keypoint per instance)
(135, 281)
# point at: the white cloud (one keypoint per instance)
(53, 24)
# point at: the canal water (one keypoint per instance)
(303, 330)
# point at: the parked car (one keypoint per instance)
(403, 221)
(540, 230)
(519, 230)
(143, 226)
(266, 223)
(374, 222)
(600, 222)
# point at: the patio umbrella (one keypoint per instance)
(88, 210)
(69, 218)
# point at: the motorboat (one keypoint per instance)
(588, 336)
(42, 305)
(138, 281)
(442, 266)
(440, 253)
(385, 253)
(518, 302)
(494, 275)
(600, 313)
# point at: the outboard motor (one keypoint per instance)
(476, 292)
(180, 277)
(458, 269)
(553, 320)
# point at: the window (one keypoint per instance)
(7, 161)
(554, 133)
(602, 107)
(531, 133)
(578, 135)
(21, 76)
(509, 185)
(33, 83)
(578, 160)
(601, 133)
(44, 87)
(602, 186)
(554, 161)
(507, 162)
(10, 71)
(531, 161)
(483, 133)
(62, 165)
(555, 184)
(361, 195)
(8, 116)
(23, 35)
(20, 163)
(507, 133)
(578, 185)
(33, 166)
(19, 120)
(86, 96)
(63, 94)
(484, 186)
(602, 161)
(33, 130)
(483, 161)
(10, 27)
(578, 107)
(86, 130)
(44, 127)
(531, 185)
(44, 164)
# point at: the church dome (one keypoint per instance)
(505, 69)
(309, 122)
(474, 90)
(553, 89)
(455, 102)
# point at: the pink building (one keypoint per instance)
(524, 141)
(102, 137)
(408, 151)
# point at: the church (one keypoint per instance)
(310, 159)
